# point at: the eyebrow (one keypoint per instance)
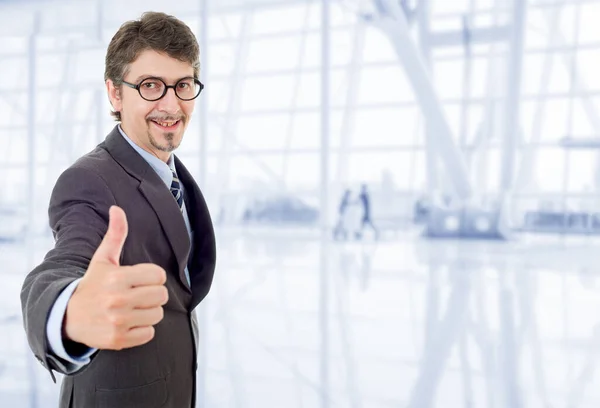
(146, 76)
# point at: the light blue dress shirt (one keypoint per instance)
(57, 313)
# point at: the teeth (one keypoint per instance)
(166, 124)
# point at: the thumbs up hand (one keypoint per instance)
(115, 307)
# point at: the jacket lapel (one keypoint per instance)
(154, 191)
(171, 220)
(203, 260)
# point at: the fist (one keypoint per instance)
(115, 307)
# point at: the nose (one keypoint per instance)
(170, 102)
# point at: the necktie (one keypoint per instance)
(178, 195)
(176, 190)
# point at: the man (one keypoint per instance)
(111, 306)
(341, 228)
(366, 218)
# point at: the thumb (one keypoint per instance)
(111, 246)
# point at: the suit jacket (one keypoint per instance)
(161, 373)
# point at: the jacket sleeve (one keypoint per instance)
(78, 216)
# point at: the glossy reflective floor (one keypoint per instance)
(295, 321)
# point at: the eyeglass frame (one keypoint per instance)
(166, 89)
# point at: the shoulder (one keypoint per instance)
(97, 161)
(92, 171)
(95, 165)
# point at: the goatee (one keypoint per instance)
(169, 147)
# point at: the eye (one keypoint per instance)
(184, 85)
(151, 84)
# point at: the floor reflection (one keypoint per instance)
(295, 322)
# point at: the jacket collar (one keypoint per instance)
(153, 189)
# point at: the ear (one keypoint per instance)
(114, 95)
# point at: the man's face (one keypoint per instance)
(157, 126)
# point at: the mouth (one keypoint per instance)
(167, 125)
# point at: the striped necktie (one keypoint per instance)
(176, 190)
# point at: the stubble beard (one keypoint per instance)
(169, 147)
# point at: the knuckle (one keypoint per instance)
(157, 270)
(115, 277)
(161, 275)
(160, 314)
(150, 333)
(154, 316)
(164, 293)
(143, 336)
(117, 320)
(115, 302)
(115, 340)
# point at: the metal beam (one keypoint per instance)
(289, 134)
(486, 35)
(233, 112)
(324, 283)
(394, 24)
(424, 14)
(512, 101)
(204, 70)
(586, 143)
(349, 111)
(203, 310)
(31, 183)
(529, 153)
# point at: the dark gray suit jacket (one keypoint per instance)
(161, 373)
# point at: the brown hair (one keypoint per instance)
(153, 31)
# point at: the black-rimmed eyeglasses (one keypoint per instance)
(152, 89)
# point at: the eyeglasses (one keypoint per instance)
(152, 89)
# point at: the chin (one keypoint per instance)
(170, 143)
(165, 141)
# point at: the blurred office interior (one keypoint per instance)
(471, 128)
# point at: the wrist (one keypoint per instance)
(72, 347)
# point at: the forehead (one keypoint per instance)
(152, 63)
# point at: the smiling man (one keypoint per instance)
(112, 304)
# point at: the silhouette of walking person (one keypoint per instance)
(366, 219)
(341, 228)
